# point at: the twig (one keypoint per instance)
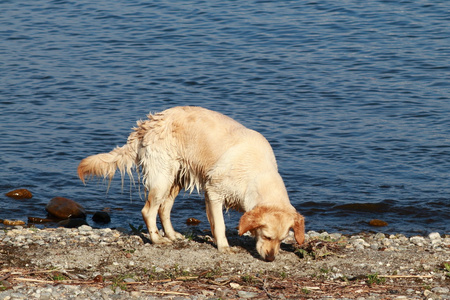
(161, 280)
(165, 293)
(223, 283)
(5, 277)
(406, 276)
(49, 271)
(186, 278)
(33, 280)
(42, 271)
(56, 281)
(177, 278)
(312, 287)
(265, 290)
(167, 281)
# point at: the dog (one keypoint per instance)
(196, 148)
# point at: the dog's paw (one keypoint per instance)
(179, 236)
(157, 239)
(175, 236)
(227, 250)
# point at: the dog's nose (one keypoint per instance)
(270, 256)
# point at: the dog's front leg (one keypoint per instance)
(214, 212)
(149, 213)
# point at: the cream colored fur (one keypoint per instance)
(195, 148)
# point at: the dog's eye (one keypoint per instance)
(267, 238)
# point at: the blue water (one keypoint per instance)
(354, 97)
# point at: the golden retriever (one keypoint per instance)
(192, 147)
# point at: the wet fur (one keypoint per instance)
(195, 148)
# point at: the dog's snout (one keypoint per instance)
(270, 256)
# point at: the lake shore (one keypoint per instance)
(87, 263)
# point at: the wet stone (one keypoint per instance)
(72, 223)
(63, 208)
(13, 222)
(192, 221)
(39, 220)
(377, 223)
(101, 217)
(20, 194)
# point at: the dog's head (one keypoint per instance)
(270, 225)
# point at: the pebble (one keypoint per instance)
(101, 217)
(440, 290)
(20, 194)
(417, 240)
(25, 237)
(434, 236)
(13, 222)
(247, 295)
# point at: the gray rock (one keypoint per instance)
(247, 295)
(379, 236)
(434, 236)
(440, 290)
(417, 240)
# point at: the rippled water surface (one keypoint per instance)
(354, 97)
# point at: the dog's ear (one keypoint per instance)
(299, 228)
(250, 220)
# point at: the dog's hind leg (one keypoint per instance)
(214, 212)
(164, 214)
(149, 214)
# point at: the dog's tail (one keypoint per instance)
(105, 164)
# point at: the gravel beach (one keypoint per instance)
(87, 263)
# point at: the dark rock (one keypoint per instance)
(63, 208)
(368, 207)
(72, 223)
(377, 223)
(101, 217)
(39, 220)
(20, 194)
(192, 221)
